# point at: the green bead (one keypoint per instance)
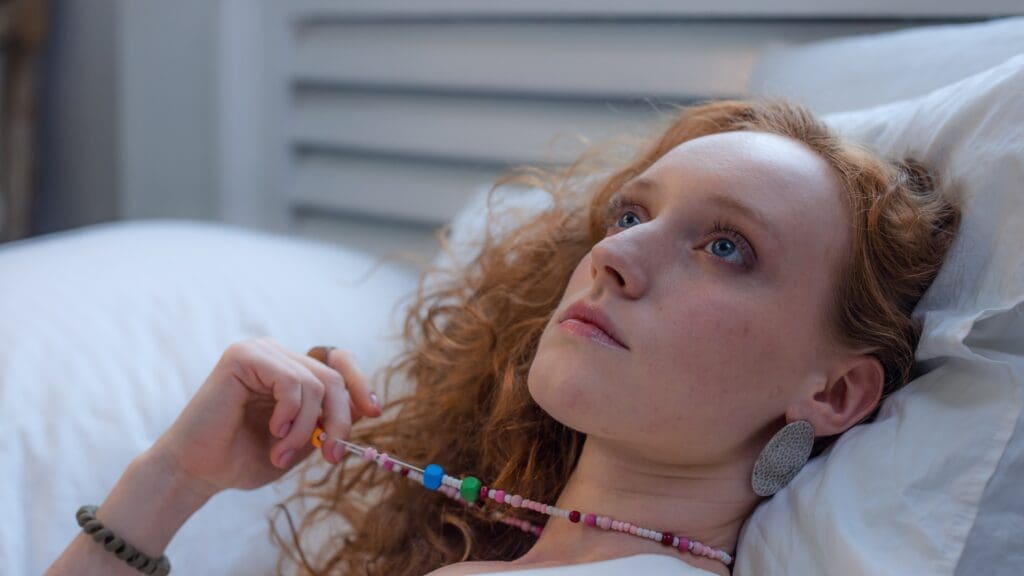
(470, 489)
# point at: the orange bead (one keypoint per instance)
(318, 437)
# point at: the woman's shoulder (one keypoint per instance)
(647, 564)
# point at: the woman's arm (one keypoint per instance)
(147, 506)
(250, 422)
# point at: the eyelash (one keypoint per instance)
(620, 203)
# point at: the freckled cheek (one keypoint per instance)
(710, 355)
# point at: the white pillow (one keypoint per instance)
(900, 495)
(870, 69)
(108, 330)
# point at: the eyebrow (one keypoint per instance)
(729, 202)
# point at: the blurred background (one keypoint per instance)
(368, 123)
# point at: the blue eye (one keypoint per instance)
(731, 239)
(729, 244)
(624, 214)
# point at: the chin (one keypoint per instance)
(560, 387)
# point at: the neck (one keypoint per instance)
(707, 503)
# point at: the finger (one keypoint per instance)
(329, 377)
(336, 422)
(321, 354)
(364, 400)
(283, 453)
(281, 380)
(337, 417)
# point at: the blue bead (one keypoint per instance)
(432, 476)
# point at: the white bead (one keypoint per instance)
(490, 493)
(675, 541)
(508, 498)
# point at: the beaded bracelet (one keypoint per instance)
(90, 525)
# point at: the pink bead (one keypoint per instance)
(684, 544)
(384, 459)
(389, 465)
(590, 520)
(499, 496)
(615, 525)
(605, 522)
(369, 453)
(517, 501)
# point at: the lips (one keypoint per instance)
(593, 316)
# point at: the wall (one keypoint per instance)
(129, 112)
(371, 123)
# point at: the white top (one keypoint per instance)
(645, 564)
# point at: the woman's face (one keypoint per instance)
(724, 332)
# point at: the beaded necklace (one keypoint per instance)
(470, 490)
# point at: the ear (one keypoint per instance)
(849, 397)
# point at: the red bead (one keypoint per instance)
(574, 516)
(405, 472)
(666, 538)
(483, 492)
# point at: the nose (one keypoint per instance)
(615, 265)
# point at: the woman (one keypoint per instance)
(630, 352)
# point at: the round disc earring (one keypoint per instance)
(783, 456)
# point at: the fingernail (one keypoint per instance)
(374, 400)
(286, 457)
(284, 430)
(338, 451)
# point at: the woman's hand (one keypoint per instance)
(254, 417)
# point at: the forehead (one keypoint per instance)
(759, 168)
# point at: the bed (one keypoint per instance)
(108, 330)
